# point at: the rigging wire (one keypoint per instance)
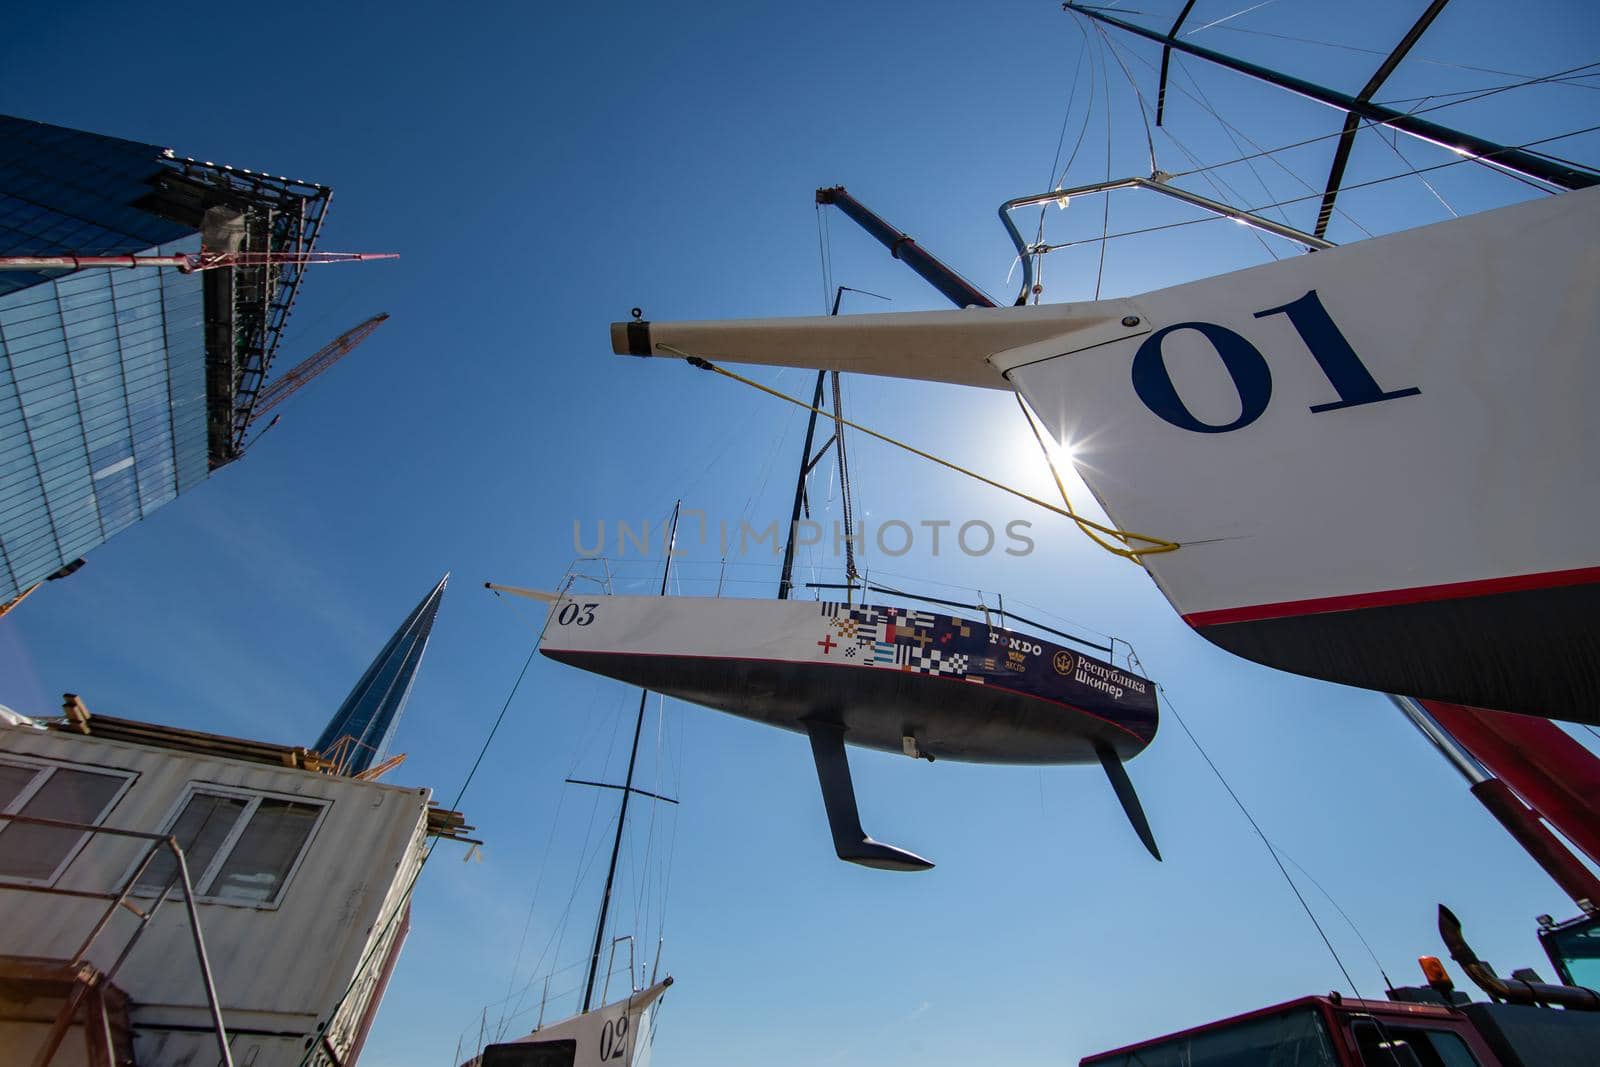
(527, 922)
(1227, 18)
(1233, 134)
(1116, 53)
(1055, 164)
(846, 506)
(1199, 97)
(1436, 166)
(402, 903)
(1072, 96)
(1470, 97)
(587, 861)
(823, 254)
(1223, 189)
(1151, 544)
(1348, 921)
(1088, 111)
(1105, 212)
(1035, 608)
(1393, 143)
(558, 934)
(1318, 195)
(779, 440)
(1133, 659)
(1380, 52)
(1574, 80)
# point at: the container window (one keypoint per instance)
(202, 828)
(240, 847)
(266, 851)
(38, 854)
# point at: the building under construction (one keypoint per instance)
(119, 388)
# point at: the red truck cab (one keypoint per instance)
(1333, 1031)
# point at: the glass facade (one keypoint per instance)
(111, 401)
(359, 733)
(66, 191)
(102, 409)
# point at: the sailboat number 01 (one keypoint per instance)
(1248, 368)
(582, 614)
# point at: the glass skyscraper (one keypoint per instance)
(359, 733)
(120, 389)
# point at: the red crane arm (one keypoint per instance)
(284, 385)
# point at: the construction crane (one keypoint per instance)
(280, 388)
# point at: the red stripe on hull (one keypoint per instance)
(1393, 597)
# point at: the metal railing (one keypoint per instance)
(119, 900)
(1154, 184)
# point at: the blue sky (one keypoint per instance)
(541, 172)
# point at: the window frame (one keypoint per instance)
(202, 881)
(29, 791)
(1411, 1031)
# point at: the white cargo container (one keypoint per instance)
(301, 883)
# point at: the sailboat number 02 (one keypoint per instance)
(1248, 368)
(614, 1039)
(582, 614)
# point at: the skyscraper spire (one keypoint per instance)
(365, 723)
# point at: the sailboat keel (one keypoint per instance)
(1122, 785)
(850, 841)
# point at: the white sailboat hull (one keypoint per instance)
(1381, 460)
(961, 689)
(620, 1034)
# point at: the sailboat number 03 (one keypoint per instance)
(582, 614)
(1248, 368)
(614, 1039)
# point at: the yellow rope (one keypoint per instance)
(1088, 526)
(1126, 551)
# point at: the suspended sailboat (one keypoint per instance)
(900, 680)
(1374, 464)
(897, 680)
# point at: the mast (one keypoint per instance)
(1505, 157)
(807, 461)
(786, 578)
(627, 792)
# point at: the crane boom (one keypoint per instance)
(326, 356)
(189, 262)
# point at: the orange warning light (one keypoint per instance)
(1434, 971)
